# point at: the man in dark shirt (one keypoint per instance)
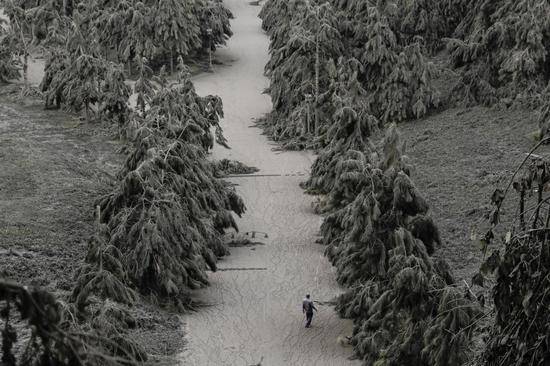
(307, 308)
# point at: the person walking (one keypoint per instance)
(307, 308)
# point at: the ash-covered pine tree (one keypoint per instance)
(349, 130)
(175, 28)
(113, 101)
(398, 79)
(215, 16)
(501, 49)
(427, 21)
(544, 114)
(9, 62)
(137, 32)
(18, 31)
(297, 70)
(78, 76)
(402, 301)
(167, 215)
(144, 87)
(396, 76)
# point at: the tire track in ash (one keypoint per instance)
(255, 314)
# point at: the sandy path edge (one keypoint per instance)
(256, 314)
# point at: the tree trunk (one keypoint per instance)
(539, 200)
(26, 68)
(87, 112)
(317, 67)
(33, 39)
(306, 129)
(142, 106)
(522, 210)
(171, 61)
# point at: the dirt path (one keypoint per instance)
(257, 313)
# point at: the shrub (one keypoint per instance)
(521, 329)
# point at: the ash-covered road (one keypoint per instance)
(256, 314)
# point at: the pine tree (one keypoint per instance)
(502, 48)
(9, 63)
(380, 242)
(215, 16)
(115, 94)
(19, 23)
(116, 26)
(143, 87)
(397, 79)
(427, 21)
(59, 333)
(166, 217)
(138, 34)
(298, 66)
(306, 38)
(176, 28)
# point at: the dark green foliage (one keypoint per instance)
(86, 41)
(521, 332)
